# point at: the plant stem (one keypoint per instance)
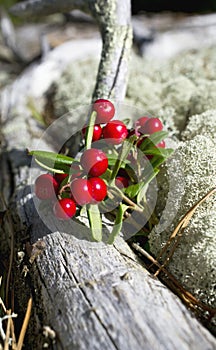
(126, 199)
(90, 129)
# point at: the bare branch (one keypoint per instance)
(114, 20)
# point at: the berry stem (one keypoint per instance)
(90, 129)
(63, 189)
(126, 199)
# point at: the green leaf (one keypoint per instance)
(112, 158)
(156, 161)
(144, 188)
(164, 152)
(118, 223)
(90, 129)
(153, 140)
(126, 148)
(95, 222)
(35, 113)
(133, 190)
(55, 162)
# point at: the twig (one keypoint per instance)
(7, 336)
(13, 337)
(2, 333)
(25, 325)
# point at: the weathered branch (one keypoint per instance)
(114, 20)
(91, 295)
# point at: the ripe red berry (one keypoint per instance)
(81, 191)
(46, 186)
(139, 125)
(115, 132)
(121, 182)
(161, 144)
(151, 126)
(64, 209)
(94, 162)
(105, 111)
(98, 189)
(97, 132)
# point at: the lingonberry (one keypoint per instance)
(151, 126)
(46, 186)
(94, 162)
(161, 144)
(139, 124)
(64, 209)
(97, 132)
(81, 191)
(115, 132)
(121, 182)
(105, 111)
(98, 189)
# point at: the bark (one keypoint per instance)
(114, 20)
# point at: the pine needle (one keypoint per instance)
(25, 325)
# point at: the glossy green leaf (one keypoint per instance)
(118, 223)
(126, 148)
(164, 152)
(144, 188)
(133, 190)
(95, 222)
(55, 162)
(112, 158)
(153, 139)
(90, 129)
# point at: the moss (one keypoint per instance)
(193, 262)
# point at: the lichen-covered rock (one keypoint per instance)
(201, 124)
(193, 262)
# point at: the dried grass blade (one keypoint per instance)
(7, 338)
(25, 325)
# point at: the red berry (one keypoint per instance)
(121, 182)
(105, 110)
(60, 177)
(115, 132)
(64, 209)
(98, 189)
(97, 132)
(46, 186)
(140, 124)
(94, 162)
(161, 144)
(81, 191)
(151, 126)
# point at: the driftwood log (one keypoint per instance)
(91, 296)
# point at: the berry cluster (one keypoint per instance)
(88, 179)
